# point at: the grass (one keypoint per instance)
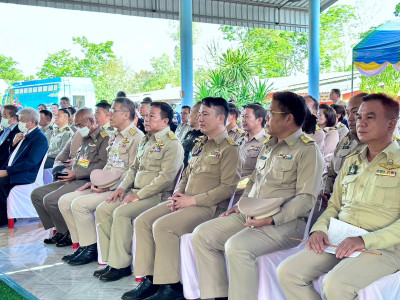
(10, 290)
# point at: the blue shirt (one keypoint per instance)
(6, 132)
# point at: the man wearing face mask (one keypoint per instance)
(28, 149)
(91, 155)
(9, 122)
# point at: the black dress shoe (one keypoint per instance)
(55, 239)
(71, 256)
(100, 272)
(166, 292)
(86, 256)
(65, 241)
(145, 289)
(115, 274)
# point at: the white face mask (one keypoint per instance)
(4, 123)
(84, 132)
(22, 127)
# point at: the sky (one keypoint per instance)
(29, 34)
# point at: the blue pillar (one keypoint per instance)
(313, 46)
(185, 18)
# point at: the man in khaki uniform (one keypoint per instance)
(232, 128)
(184, 127)
(77, 207)
(289, 166)
(60, 137)
(366, 195)
(45, 124)
(102, 114)
(92, 155)
(207, 184)
(149, 181)
(319, 135)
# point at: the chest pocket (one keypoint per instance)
(253, 153)
(385, 192)
(282, 169)
(348, 187)
(338, 161)
(260, 165)
(210, 164)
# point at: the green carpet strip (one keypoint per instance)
(11, 290)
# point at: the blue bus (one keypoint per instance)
(79, 90)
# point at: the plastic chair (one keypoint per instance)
(19, 203)
(48, 175)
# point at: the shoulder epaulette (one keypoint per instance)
(172, 135)
(268, 138)
(342, 125)
(352, 154)
(231, 141)
(317, 127)
(306, 139)
(395, 137)
(132, 131)
(240, 130)
(103, 134)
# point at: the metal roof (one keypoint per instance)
(273, 14)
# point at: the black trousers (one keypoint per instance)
(5, 188)
(49, 163)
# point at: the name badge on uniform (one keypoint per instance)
(197, 152)
(83, 162)
(385, 173)
(285, 156)
(346, 146)
(353, 169)
(214, 154)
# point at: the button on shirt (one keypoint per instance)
(367, 194)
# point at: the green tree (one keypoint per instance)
(387, 82)
(397, 10)
(8, 71)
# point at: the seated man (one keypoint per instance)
(289, 166)
(30, 146)
(102, 114)
(233, 129)
(193, 135)
(184, 127)
(92, 155)
(78, 207)
(45, 123)
(149, 181)
(366, 195)
(66, 158)
(9, 122)
(72, 112)
(205, 189)
(60, 137)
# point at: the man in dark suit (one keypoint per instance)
(28, 149)
(9, 122)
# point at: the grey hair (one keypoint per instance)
(30, 114)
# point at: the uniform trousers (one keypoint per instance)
(345, 278)
(45, 200)
(242, 246)
(157, 239)
(78, 210)
(114, 226)
(5, 188)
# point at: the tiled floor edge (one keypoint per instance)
(11, 283)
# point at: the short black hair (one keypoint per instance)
(55, 104)
(65, 99)
(42, 105)
(330, 114)
(12, 110)
(293, 104)
(316, 103)
(310, 123)
(336, 91)
(218, 104)
(258, 111)
(121, 94)
(233, 110)
(47, 113)
(104, 105)
(147, 100)
(65, 111)
(128, 104)
(71, 110)
(390, 105)
(166, 110)
(186, 106)
(340, 110)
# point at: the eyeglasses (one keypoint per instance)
(112, 110)
(270, 112)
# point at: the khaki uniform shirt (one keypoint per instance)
(292, 169)
(213, 171)
(235, 133)
(319, 138)
(349, 144)
(58, 140)
(342, 130)
(92, 154)
(159, 158)
(107, 128)
(48, 132)
(367, 195)
(249, 151)
(181, 130)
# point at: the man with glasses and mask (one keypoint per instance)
(9, 122)
(290, 167)
(28, 149)
(78, 207)
(91, 155)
